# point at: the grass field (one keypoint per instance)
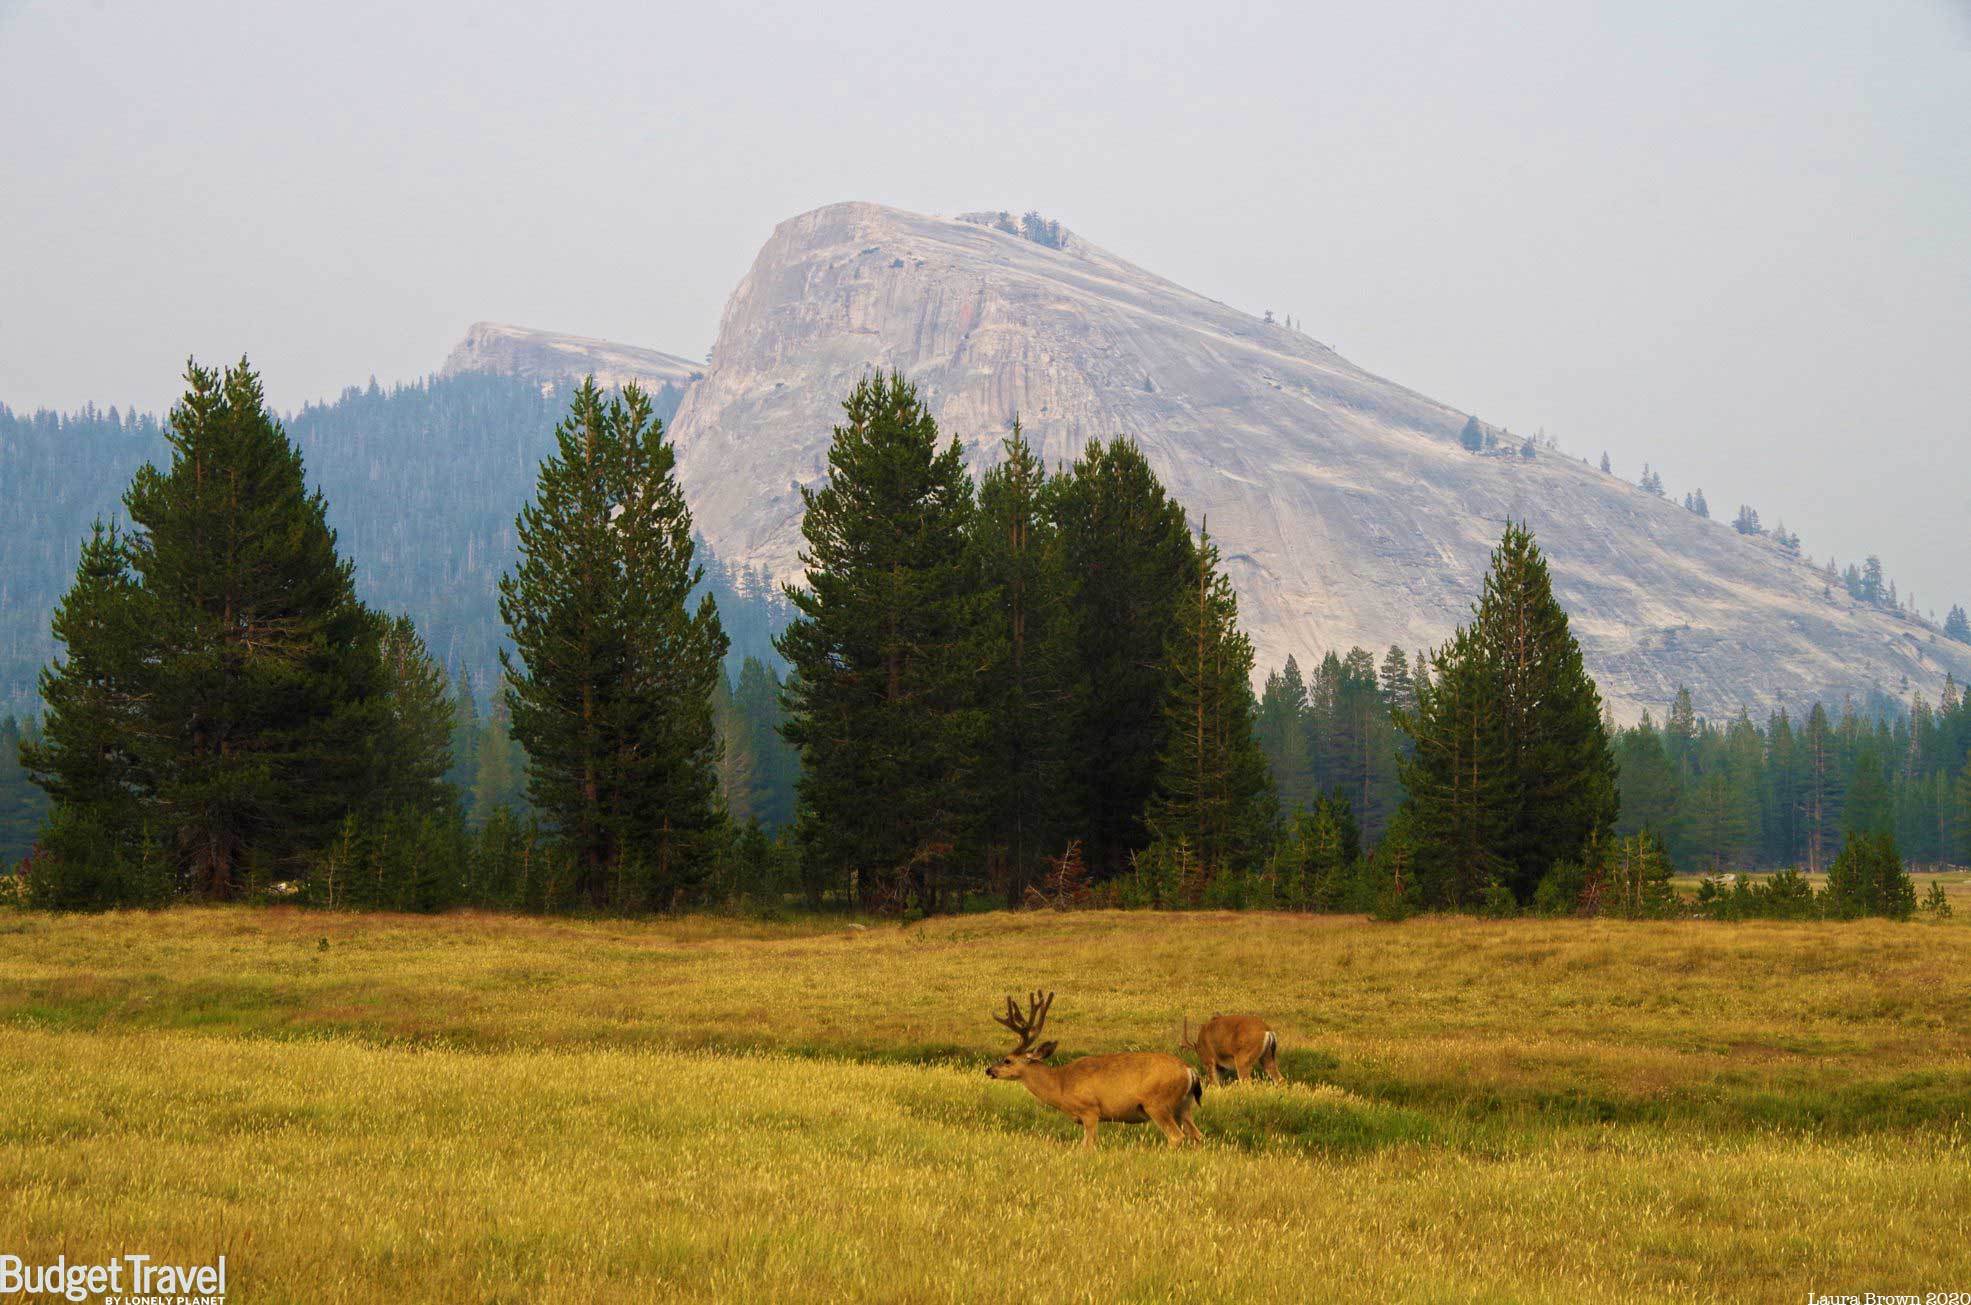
(488, 1108)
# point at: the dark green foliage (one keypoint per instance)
(1512, 772)
(1316, 864)
(1212, 787)
(213, 718)
(1634, 879)
(1338, 733)
(1868, 878)
(422, 481)
(1560, 790)
(1787, 895)
(1747, 522)
(881, 706)
(83, 863)
(1648, 784)
(1957, 625)
(1472, 436)
(83, 759)
(1129, 560)
(1028, 685)
(22, 805)
(1457, 780)
(1285, 735)
(412, 726)
(612, 696)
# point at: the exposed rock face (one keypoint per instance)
(1347, 508)
(546, 357)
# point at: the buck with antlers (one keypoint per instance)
(1126, 1087)
(1234, 1042)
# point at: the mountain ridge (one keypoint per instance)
(1347, 508)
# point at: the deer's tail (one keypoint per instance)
(1197, 1084)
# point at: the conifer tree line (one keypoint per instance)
(1027, 687)
(229, 720)
(1792, 790)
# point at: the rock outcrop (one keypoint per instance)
(549, 358)
(1348, 509)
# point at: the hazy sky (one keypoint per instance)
(1729, 239)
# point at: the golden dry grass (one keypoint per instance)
(481, 1107)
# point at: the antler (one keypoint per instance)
(1026, 1027)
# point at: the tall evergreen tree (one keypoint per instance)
(1561, 794)
(258, 668)
(1129, 558)
(411, 735)
(1458, 776)
(1027, 687)
(1648, 785)
(881, 704)
(85, 758)
(612, 698)
(1212, 788)
(1283, 732)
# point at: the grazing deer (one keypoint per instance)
(1126, 1087)
(1236, 1042)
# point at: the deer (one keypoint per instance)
(1236, 1042)
(1124, 1087)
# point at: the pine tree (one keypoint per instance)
(257, 670)
(1607, 468)
(1129, 557)
(1957, 625)
(1648, 783)
(1399, 692)
(1747, 521)
(1820, 786)
(1212, 784)
(1870, 806)
(1283, 735)
(1472, 436)
(84, 759)
(882, 703)
(612, 698)
(1868, 878)
(1457, 776)
(1027, 683)
(411, 732)
(1561, 787)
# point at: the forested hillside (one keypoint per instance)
(423, 483)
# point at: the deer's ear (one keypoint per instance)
(1044, 1051)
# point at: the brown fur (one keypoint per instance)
(1239, 1043)
(1126, 1087)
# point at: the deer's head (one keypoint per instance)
(1026, 1027)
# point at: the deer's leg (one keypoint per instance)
(1185, 1121)
(1089, 1122)
(1245, 1072)
(1273, 1063)
(1162, 1118)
